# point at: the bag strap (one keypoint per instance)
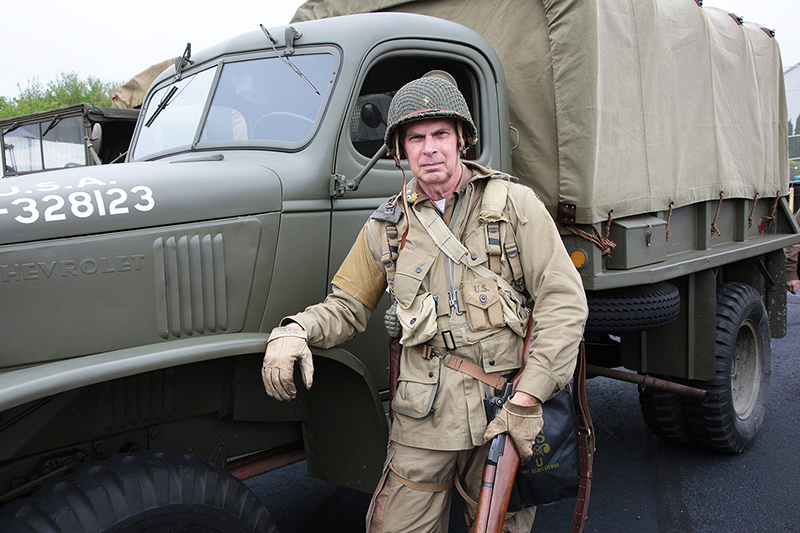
(457, 252)
(586, 443)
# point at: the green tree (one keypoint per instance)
(66, 89)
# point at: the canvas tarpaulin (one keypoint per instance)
(130, 95)
(627, 105)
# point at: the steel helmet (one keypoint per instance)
(427, 97)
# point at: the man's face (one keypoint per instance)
(431, 146)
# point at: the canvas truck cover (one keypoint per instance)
(627, 105)
(130, 95)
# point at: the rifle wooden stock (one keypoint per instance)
(498, 478)
(491, 516)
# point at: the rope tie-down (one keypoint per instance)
(772, 216)
(714, 230)
(605, 244)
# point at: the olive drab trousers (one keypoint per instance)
(415, 491)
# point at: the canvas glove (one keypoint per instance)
(522, 423)
(285, 346)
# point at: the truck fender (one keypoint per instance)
(31, 383)
(345, 427)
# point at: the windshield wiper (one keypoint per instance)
(53, 123)
(12, 127)
(161, 106)
(273, 41)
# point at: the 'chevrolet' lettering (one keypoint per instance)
(68, 268)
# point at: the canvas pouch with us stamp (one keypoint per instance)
(484, 304)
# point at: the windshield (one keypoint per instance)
(53, 143)
(260, 100)
(173, 114)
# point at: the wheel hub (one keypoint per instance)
(746, 370)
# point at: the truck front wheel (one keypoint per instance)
(730, 416)
(137, 493)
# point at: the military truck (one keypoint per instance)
(70, 136)
(138, 297)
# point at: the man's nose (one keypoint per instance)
(429, 147)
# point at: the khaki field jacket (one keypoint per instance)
(437, 407)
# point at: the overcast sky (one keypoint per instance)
(114, 41)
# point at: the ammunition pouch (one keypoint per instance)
(418, 320)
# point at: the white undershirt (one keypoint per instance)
(440, 204)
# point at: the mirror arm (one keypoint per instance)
(341, 184)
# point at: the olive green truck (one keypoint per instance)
(137, 298)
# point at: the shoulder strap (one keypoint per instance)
(452, 247)
(390, 215)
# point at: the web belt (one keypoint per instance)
(454, 362)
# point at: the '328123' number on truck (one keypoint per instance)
(89, 200)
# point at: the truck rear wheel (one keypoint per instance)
(664, 413)
(633, 308)
(150, 492)
(730, 416)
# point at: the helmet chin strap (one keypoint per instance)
(405, 201)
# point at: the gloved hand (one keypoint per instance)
(285, 346)
(522, 423)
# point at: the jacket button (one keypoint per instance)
(430, 374)
(491, 362)
(474, 257)
(419, 270)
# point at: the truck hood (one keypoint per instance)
(90, 200)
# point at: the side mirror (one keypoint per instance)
(371, 116)
(97, 137)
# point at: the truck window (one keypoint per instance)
(173, 114)
(23, 149)
(265, 100)
(62, 143)
(52, 143)
(255, 100)
(368, 116)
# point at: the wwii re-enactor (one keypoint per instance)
(461, 303)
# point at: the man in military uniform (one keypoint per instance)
(465, 253)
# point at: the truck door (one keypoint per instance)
(387, 68)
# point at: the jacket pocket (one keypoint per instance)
(418, 321)
(412, 267)
(502, 352)
(418, 387)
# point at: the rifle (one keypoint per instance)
(502, 462)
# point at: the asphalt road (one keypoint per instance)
(640, 484)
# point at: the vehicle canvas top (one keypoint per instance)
(57, 138)
(622, 105)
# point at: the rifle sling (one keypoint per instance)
(586, 443)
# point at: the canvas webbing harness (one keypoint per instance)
(498, 230)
